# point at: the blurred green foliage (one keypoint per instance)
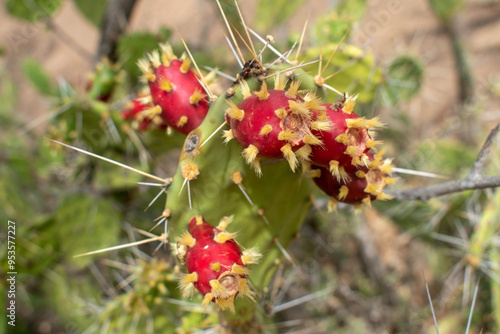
(93, 11)
(8, 96)
(333, 26)
(447, 157)
(271, 13)
(38, 77)
(92, 222)
(135, 45)
(445, 10)
(404, 78)
(494, 256)
(350, 70)
(32, 10)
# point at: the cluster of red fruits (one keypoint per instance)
(333, 144)
(331, 141)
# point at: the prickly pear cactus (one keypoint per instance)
(104, 80)
(246, 172)
(231, 168)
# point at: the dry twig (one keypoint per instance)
(473, 180)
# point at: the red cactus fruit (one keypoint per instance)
(215, 263)
(360, 187)
(273, 124)
(176, 91)
(135, 112)
(346, 144)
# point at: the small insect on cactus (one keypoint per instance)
(176, 92)
(274, 124)
(216, 266)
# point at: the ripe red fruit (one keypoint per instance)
(215, 263)
(362, 186)
(272, 124)
(176, 92)
(134, 112)
(346, 143)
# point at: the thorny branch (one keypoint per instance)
(476, 170)
(474, 180)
